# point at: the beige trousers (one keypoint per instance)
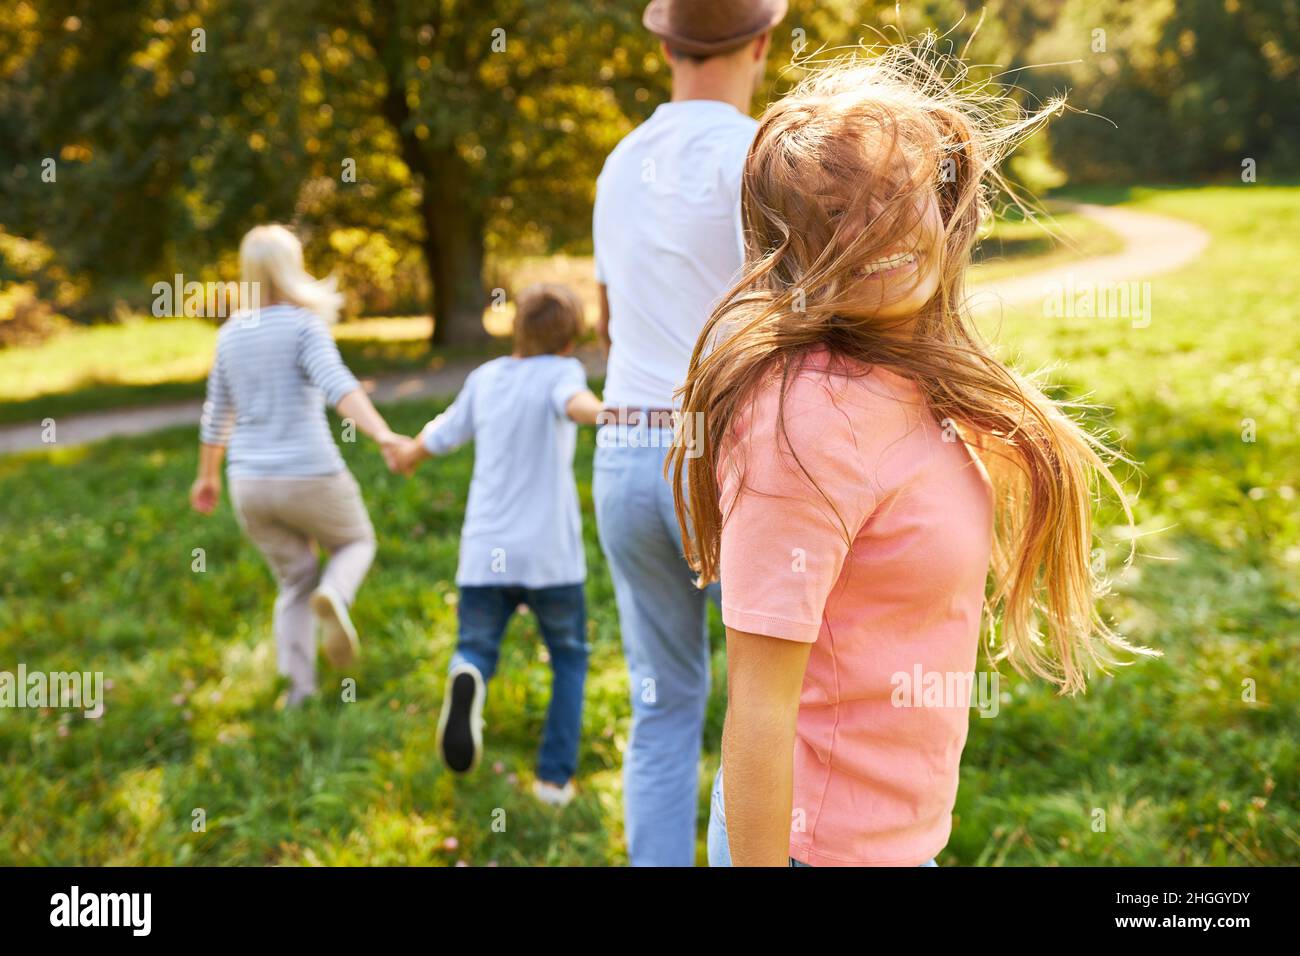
(288, 518)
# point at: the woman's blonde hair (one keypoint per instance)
(271, 257)
(873, 134)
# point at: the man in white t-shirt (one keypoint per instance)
(668, 246)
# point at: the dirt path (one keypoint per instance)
(1152, 245)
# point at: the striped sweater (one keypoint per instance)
(272, 375)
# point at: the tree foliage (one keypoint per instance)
(414, 142)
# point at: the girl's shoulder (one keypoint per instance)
(826, 412)
(819, 405)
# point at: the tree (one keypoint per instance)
(463, 132)
(495, 106)
(463, 128)
(467, 124)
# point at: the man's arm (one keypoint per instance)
(764, 676)
(602, 322)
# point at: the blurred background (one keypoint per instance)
(437, 155)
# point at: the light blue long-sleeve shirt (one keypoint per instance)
(273, 374)
(522, 526)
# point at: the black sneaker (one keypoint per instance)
(460, 725)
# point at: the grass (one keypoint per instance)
(97, 575)
(1184, 768)
(192, 720)
(149, 362)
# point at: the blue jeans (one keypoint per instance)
(719, 850)
(561, 614)
(663, 617)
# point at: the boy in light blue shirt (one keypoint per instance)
(522, 538)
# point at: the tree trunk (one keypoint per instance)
(454, 252)
(450, 206)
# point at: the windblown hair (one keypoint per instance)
(871, 138)
(271, 256)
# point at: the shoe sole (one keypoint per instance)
(557, 801)
(338, 638)
(460, 734)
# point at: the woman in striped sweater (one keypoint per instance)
(276, 366)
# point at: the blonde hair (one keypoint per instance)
(887, 128)
(271, 258)
(548, 319)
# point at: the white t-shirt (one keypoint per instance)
(668, 241)
(522, 523)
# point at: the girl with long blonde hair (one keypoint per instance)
(275, 369)
(869, 482)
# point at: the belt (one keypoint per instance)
(654, 417)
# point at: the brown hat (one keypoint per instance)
(706, 27)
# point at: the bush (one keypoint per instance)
(25, 318)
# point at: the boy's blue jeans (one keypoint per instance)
(561, 614)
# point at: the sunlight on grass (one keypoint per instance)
(144, 352)
(410, 328)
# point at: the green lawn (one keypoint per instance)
(1185, 770)
(96, 575)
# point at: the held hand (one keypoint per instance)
(390, 446)
(408, 456)
(204, 495)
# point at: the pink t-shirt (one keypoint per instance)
(874, 782)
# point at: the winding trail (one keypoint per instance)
(1152, 245)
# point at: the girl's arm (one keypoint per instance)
(764, 676)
